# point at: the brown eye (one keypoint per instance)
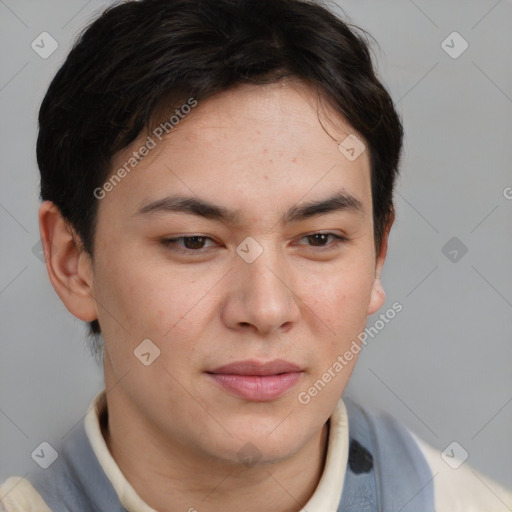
(190, 244)
(320, 240)
(194, 242)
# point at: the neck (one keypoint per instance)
(168, 476)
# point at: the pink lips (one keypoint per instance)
(257, 381)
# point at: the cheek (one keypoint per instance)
(148, 298)
(340, 298)
(341, 304)
(145, 303)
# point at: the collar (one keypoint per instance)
(327, 494)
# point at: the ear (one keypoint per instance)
(378, 295)
(69, 267)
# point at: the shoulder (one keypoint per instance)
(461, 488)
(391, 441)
(456, 487)
(399, 471)
(18, 495)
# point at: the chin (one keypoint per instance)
(266, 443)
(254, 452)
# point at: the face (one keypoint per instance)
(247, 301)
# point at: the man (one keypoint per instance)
(218, 180)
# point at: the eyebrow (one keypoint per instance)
(340, 201)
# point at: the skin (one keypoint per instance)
(174, 433)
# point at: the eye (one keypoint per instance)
(189, 244)
(196, 243)
(319, 240)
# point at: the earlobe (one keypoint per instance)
(378, 297)
(69, 268)
(378, 294)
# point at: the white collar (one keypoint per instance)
(327, 494)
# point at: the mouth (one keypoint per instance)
(256, 381)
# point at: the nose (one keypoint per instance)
(262, 295)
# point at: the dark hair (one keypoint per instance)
(138, 55)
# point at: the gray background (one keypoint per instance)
(443, 365)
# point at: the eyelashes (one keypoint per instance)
(195, 243)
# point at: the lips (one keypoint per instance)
(257, 381)
(257, 368)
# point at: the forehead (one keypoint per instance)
(273, 144)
